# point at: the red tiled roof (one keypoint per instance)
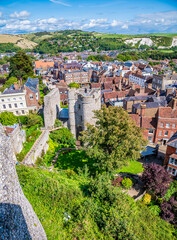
(167, 112)
(148, 122)
(136, 118)
(95, 85)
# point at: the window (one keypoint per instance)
(14, 99)
(31, 96)
(161, 125)
(15, 105)
(10, 106)
(173, 125)
(36, 96)
(151, 131)
(167, 125)
(4, 106)
(2, 100)
(160, 133)
(173, 161)
(150, 139)
(171, 134)
(20, 98)
(79, 106)
(166, 133)
(8, 99)
(21, 104)
(81, 118)
(171, 170)
(16, 112)
(23, 112)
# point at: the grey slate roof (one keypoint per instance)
(12, 90)
(32, 83)
(150, 104)
(173, 141)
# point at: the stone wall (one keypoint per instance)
(51, 108)
(36, 151)
(18, 137)
(17, 217)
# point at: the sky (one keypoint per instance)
(113, 16)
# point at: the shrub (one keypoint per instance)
(74, 85)
(156, 179)
(57, 123)
(117, 181)
(23, 120)
(147, 198)
(8, 118)
(127, 183)
(70, 172)
(155, 209)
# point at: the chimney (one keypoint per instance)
(16, 86)
(133, 86)
(158, 92)
(174, 103)
(142, 89)
(143, 107)
(120, 86)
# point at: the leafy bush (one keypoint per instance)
(8, 118)
(147, 198)
(63, 136)
(127, 183)
(117, 181)
(156, 179)
(23, 120)
(34, 119)
(69, 172)
(57, 123)
(171, 191)
(155, 209)
(74, 85)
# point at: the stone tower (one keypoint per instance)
(81, 104)
(17, 218)
(51, 108)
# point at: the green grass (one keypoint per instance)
(99, 214)
(165, 51)
(73, 160)
(133, 167)
(32, 135)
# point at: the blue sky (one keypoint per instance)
(114, 16)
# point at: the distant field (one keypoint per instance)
(165, 51)
(110, 35)
(17, 40)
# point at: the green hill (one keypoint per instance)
(97, 209)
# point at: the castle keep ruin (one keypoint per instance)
(17, 218)
(51, 108)
(81, 104)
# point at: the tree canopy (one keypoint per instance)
(114, 141)
(21, 66)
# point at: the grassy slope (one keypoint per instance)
(51, 194)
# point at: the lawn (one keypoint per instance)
(134, 167)
(73, 160)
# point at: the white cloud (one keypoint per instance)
(61, 3)
(22, 14)
(0, 14)
(125, 26)
(145, 23)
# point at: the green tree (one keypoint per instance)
(10, 81)
(21, 66)
(74, 85)
(114, 141)
(8, 118)
(34, 119)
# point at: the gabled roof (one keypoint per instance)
(32, 84)
(173, 141)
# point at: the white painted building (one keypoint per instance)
(12, 100)
(138, 79)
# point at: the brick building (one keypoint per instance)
(32, 92)
(171, 155)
